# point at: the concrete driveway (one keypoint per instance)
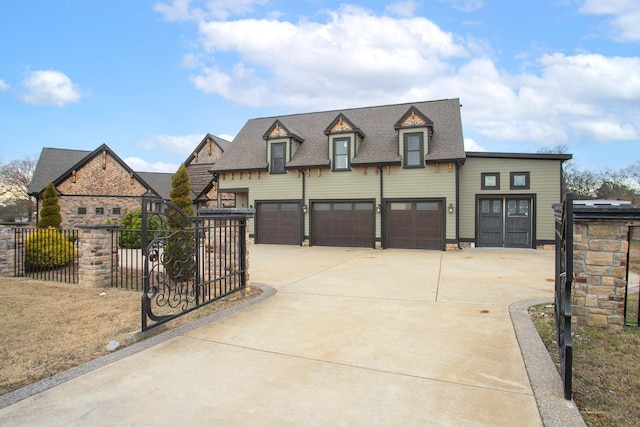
(354, 337)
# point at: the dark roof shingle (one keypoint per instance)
(379, 146)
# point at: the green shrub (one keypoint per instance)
(48, 248)
(130, 234)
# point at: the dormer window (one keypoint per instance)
(414, 130)
(282, 144)
(341, 149)
(278, 151)
(413, 150)
(344, 138)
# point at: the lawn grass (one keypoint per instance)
(606, 372)
(49, 327)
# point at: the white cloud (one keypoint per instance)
(466, 5)
(49, 87)
(4, 86)
(182, 10)
(139, 165)
(331, 62)
(403, 8)
(472, 145)
(181, 145)
(625, 15)
(318, 62)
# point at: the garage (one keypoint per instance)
(414, 224)
(343, 223)
(278, 223)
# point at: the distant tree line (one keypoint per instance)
(588, 184)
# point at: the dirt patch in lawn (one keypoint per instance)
(49, 327)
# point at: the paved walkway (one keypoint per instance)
(353, 337)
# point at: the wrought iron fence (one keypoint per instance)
(190, 262)
(126, 259)
(632, 291)
(564, 280)
(46, 254)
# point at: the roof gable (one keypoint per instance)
(278, 130)
(413, 118)
(341, 124)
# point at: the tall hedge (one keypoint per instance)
(179, 259)
(50, 213)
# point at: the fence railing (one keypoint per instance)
(564, 279)
(126, 259)
(46, 254)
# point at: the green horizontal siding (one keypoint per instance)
(544, 180)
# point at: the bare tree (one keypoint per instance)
(15, 177)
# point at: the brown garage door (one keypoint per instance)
(343, 224)
(278, 223)
(415, 224)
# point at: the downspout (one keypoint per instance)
(304, 201)
(382, 214)
(458, 204)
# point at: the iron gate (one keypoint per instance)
(564, 280)
(190, 261)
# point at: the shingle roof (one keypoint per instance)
(55, 164)
(160, 182)
(52, 163)
(199, 176)
(379, 146)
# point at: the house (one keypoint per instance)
(94, 186)
(198, 164)
(393, 176)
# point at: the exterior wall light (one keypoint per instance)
(450, 208)
(304, 209)
(379, 208)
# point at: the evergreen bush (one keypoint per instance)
(130, 234)
(48, 248)
(50, 212)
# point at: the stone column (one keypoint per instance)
(94, 255)
(600, 248)
(7, 251)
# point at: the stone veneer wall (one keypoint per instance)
(7, 250)
(600, 267)
(69, 209)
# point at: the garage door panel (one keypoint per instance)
(343, 224)
(278, 223)
(414, 224)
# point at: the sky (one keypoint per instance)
(150, 78)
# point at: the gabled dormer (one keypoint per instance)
(344, 141)
(414, 131)
(282, 144)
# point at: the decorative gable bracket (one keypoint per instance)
(341, 124)
(413, 118)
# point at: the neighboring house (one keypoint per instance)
(393, 176)
(94, 186)
(198, 164)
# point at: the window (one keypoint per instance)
(82, 210)
(99, 211)
(278, 150)
(115, 211)
(519, 180)
(341, 154)
(490, 181)
(413, 150)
